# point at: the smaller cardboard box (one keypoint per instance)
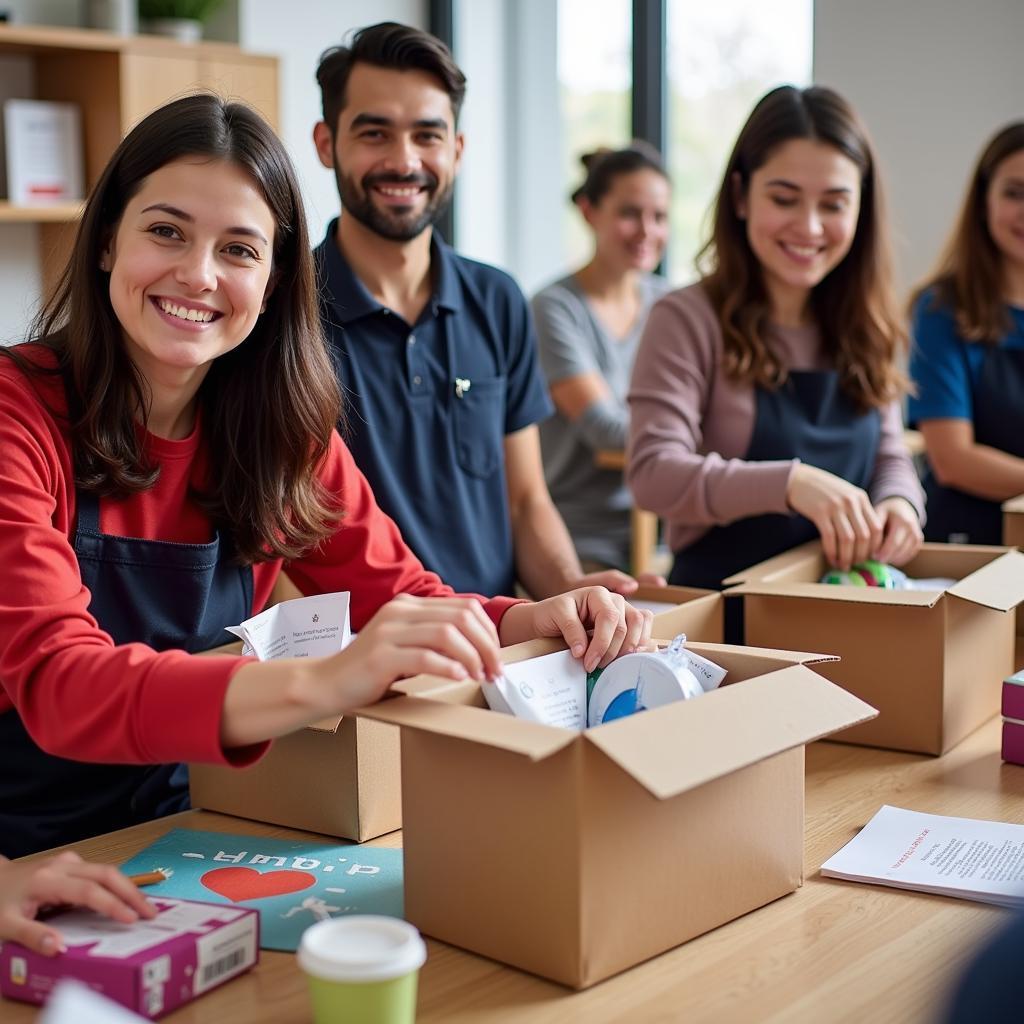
(1013, 522)
(342, 776)
(697, 613)
(575, 855)
(151, 967)
(1013, 718)
(932, 662)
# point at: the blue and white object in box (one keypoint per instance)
(638, 682)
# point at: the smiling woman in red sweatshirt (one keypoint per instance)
(166, 446)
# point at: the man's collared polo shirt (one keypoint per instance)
(428, 406)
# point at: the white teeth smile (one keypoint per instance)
(403, 192)
(801, 250)
(200, 316)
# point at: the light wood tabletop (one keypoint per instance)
(830, 952)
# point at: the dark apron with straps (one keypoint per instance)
(998, 397)
(161, 594)
(808, 418)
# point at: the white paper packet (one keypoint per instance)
(307, 627)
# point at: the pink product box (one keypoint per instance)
(151, 967)
(1013, 718)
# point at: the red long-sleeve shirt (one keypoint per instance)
(80, 695)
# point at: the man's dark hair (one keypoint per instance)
(387, 45)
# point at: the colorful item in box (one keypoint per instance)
(873, 573)
(151, 967)
(868, 574)
(292, 884)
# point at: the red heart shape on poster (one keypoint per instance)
(238, 884)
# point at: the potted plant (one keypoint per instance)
(179, 19)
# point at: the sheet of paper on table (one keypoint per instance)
(961, 857)
(75, 1003)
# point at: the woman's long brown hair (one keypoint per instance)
(853, 305)
(969, 277)
(268, 406)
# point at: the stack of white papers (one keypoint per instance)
(961, 857)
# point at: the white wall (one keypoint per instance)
(933, 80)
(509, 199)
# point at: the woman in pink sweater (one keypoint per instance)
(765, 398)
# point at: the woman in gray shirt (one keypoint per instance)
(588, 328)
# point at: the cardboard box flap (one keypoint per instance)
(685, 745)
(998, 585)
(478, 725)
(833, 592)
(724, 653)
(1015, 505)
(769, 567)
(331, 724)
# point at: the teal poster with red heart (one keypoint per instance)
(292, 884)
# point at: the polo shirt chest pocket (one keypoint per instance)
(478, 422)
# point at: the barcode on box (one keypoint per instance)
(224, 953)
(211, 972)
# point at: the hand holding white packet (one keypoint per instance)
(551, 690)
(306, 627)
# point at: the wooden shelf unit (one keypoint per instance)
(115, 81)
(52, 213)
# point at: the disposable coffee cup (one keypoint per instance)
(362, 969)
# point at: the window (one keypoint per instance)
(595, 89)
(722, 57)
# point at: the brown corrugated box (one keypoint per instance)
(1013, 535)
(341, 776)
(577, 855)
(931, 662)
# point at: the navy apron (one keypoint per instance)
(808, 418)
(998, 396)
(158, 593)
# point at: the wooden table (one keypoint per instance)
(831, 952)
(643, 525)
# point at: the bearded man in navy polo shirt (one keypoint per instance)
(435, 353)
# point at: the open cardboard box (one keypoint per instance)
(932, 662)
(1013, 536)
(342, 777)
(699, 612)
(577, 855)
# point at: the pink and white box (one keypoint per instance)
(1013, 718)
(152, 967)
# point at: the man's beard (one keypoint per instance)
(394, 225)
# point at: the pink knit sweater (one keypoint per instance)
(690, 426)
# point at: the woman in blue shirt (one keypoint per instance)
(968, 355)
